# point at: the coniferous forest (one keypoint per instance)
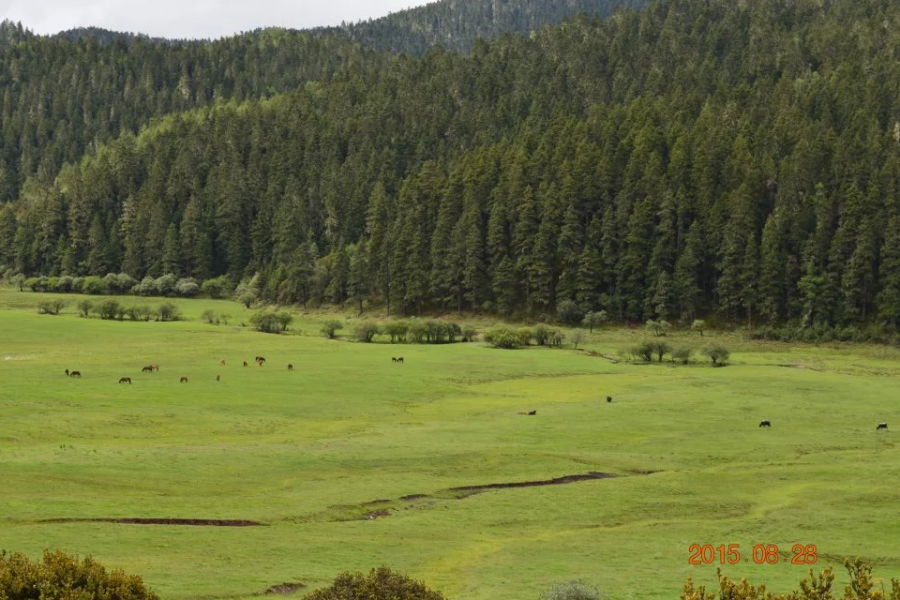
(687, 159)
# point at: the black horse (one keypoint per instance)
(125, 380)
(765, 424)
(881, 426)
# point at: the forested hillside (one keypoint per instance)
(64, 94)
(456, 24)
(61, 96)
(695, 158)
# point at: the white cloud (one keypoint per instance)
(192, 18)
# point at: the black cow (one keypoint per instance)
(125, 380)
(765, 424)
(881, 426)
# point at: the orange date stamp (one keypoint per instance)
(761, 554)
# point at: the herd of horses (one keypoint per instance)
(154, 368)
(879, 427)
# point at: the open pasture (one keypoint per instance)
(351, 461)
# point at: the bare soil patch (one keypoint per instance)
(470, 489)
(187, 522)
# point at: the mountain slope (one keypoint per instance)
(456, 24)
(700, 157)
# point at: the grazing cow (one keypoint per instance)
(765, 424)
(147, 369)
(75, 374)
(183, 379)
(67, 372)
(881, 426)
(290, 367)
(609, 398)
(125, 380)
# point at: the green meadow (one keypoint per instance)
(350, 461)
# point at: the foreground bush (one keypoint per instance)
(506, 338)
(330, 328)
(51, 307)
(62, 577)
(817, 587)
(365, 332)
(379, 584)
(574, 590)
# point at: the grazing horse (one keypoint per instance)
(609, 398)
(260, 360)
(125, 380)
(290, 367)
(75, 374)
(765, 424)
(154, 367)
(218, 378)
(399, 359)
(67, 372)
(222, 362)
(245, 363)
(532, 413)
(183, 379)
(881, 426)
(147, 369)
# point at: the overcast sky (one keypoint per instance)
(192, 18)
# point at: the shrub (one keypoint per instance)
(718, 354)
(556, 338)
(284, 319)
(698, 325)
(85, 307)
(266, 322)
(78, 285)
(506, 338)
(33, 284)
(108, 309)
(94, 285)
(578, 336)
(165, 285)
(125, 282)
(330, 328)
(643, 351)
(58, 575)
(397, 330)
(658, 328)
(50, 284)
(469, 334)
(417, 332)
(569, 312)
(187, 288)
(139, 312)
(247, 292)
(218, 287)
(168, 312)
(594, 319)
(379, 584)
(682, 354)
(64, 284)
(365, 332)
(147, 287)
(209, 315)
(540, 334)
(223, 319)
(111, 283)
(51, 307)
(574, 590)
(660, 349)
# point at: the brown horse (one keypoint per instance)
(218, 378)
(154, 367)
(147, 369)
(222, 362)
(125, 380)
(183, 379)
(74, 374)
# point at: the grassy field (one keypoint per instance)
(315, 452)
